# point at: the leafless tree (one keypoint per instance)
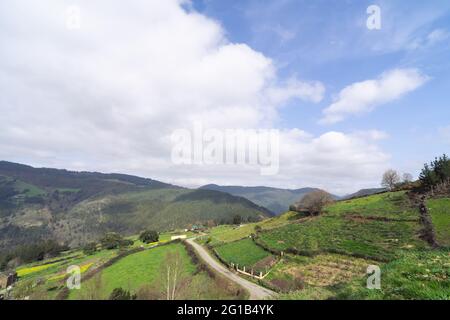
(407, 177)
(93, 289)
(315, 201)
(390, 179)
(173, 269)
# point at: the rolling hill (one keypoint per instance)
(327, 256)
(76, 207)
(274, 199)
(364, 193)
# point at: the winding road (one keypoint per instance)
(256, 292)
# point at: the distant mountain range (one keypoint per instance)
(274, 199)
(76, 207)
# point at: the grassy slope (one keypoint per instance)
(127, 213)
(382, 227)
(439, 210)
(227, 233)
(243, 252)
(163, 209)
(354, 227)
(415, 275)
(137, 269)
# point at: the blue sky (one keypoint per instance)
(102, 85)
(328, 41)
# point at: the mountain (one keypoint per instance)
(364, 193)
(77, 207)
(276, 200)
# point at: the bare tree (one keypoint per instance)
(314, 202)
(390, 179)
(173, 269)
(407, 177)
(93, 289)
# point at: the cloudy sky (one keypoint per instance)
(106, 89)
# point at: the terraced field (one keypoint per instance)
(226, 233)
(370, 239)
(245, 253)
(423, 274)
(375, 227)
(327, 256)
(140, 273)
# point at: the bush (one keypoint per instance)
(121, 294)
(30, 253)
(149, 236)
(314, 202)
(114, 240)
(237, 219)
(438, 171)
(90, 248)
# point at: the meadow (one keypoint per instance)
(229, 233)
(371, 239)
(421, 274)
(439, 210)
(374, 227)
(243, 252)
(134, 271)
(326, 257)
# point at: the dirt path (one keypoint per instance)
(256, 292)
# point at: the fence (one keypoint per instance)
(251, 273)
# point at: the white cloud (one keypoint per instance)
(362, 97)
(336, 161)
(108, 96)
(433, 38)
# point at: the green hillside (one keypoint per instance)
(326, 256)
(440, 215)
(275, 199)
(139, 272)
(77, 207)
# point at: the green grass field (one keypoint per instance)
(144, 270)
(322, 271)
(370, 239)
(332, 252)
(391, 205)
(226, 233)
(422, 275)
(135, 270)
(243, 252)
(439, 210)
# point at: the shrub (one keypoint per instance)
(90, 248)
(114, 240)
(314, 202)
(438, 171)
(149, 236)
(121, 294)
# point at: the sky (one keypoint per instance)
(102, 86)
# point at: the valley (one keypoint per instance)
(214, 245)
